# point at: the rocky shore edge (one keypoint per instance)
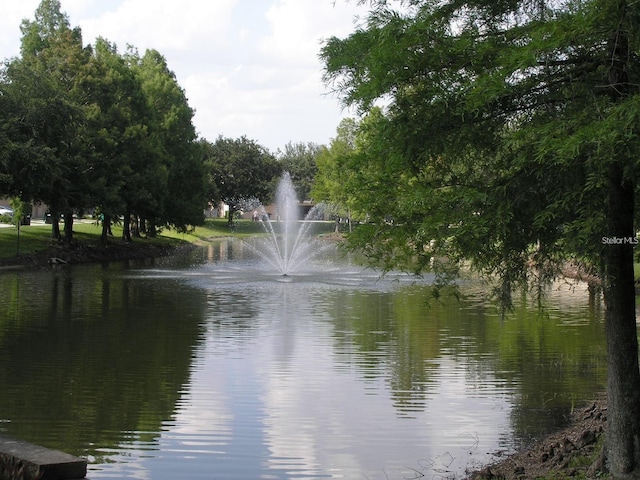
(574, 452)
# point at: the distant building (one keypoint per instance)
(222, 210)
(38, 210)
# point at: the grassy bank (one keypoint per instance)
(36, 238)
(31, 241)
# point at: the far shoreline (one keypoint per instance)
(85, 253)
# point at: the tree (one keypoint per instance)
(88, 128)
(116, 134)
(336, 171)
(46, 82)
(510, 141)
(240, 169)
(177, 181)
(300, 161)
(25, 158)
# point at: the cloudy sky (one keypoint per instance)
(249, 67)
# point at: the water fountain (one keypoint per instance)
(288, 244)
(289, 252)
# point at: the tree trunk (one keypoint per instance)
(232, 213)
(68, 228)
(55, 225)
(126, 227)
(143, 225)
(106, 222)
(152, 232)
(623, 381)
(135, 231)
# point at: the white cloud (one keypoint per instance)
(249, 67)
(299, 26)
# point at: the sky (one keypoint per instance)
(248, 67)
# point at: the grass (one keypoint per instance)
(36, 238)
(30, 239)
(219, 227)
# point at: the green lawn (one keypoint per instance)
(37, 237)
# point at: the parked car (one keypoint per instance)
(6, 211)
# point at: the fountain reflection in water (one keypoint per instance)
(288, 244)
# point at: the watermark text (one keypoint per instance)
(620, 240)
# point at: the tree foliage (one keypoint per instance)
(337, 171)
(238, 170)
(299, 160)
(88, 128)
(179, 176)
(510, 141)
(51, 69)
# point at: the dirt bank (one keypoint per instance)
(91, 253)
(570, 453)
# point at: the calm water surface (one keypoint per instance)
(210, 367)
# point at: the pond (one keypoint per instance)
(208, 365)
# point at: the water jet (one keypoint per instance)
(288, 244)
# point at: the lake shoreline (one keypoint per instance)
(93, 253)
(575, 451)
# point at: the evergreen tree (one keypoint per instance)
(510, 141)
(51, 69)
(117, 135)
(175, 174)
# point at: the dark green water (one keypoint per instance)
(212, 367)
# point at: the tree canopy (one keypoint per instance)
(338, 171)
(299, 159)
(239, 170)
(86, 128)
(509, 141)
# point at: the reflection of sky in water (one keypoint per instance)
(277, 400)
(273, 394)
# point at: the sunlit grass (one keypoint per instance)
(219, 227)
(34, 238)
(27, 240)
(30, 239)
